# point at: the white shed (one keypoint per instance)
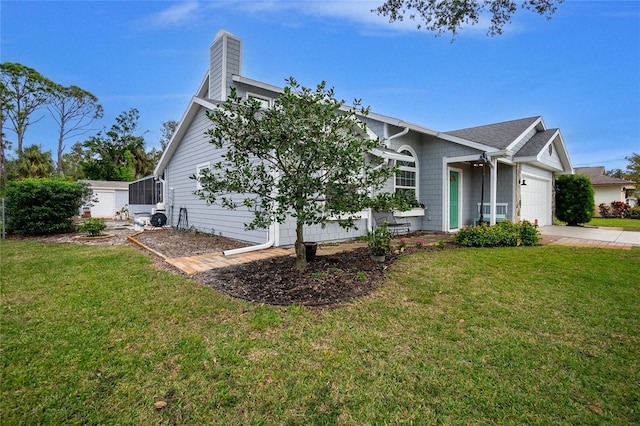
(109, 197)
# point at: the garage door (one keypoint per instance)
(105, 205)
(536, 200)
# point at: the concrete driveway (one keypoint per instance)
(579, 235)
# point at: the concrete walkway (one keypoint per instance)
(591, 237)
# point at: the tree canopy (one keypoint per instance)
(74, 109)
(117, 154)
(304, 157)
(451, 15)
(24, 91)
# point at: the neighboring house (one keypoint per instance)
(606, 189)
(442, 168)
(109, 197)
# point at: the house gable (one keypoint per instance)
(526, 140)
(499, 135)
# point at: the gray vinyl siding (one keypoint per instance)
(332, 232)
(216, 71)
(431, 176)
(195, 149)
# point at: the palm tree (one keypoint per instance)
(33, 163)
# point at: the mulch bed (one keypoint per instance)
(329, 280)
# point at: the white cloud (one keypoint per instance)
(293, 13)
(174, 16)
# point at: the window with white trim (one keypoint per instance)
(264, 101)
(199, 169)
(407, 178)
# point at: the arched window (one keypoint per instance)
(407, 179)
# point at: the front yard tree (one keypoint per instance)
(450, 16)
(574, 199)
(24, 90)
(306, 157)
(74, 109)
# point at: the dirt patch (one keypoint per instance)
(173, 243)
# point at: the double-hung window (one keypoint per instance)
(407, 178)
(200, 168)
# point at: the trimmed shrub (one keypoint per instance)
(502, 234)
(44, 206)
(574, 199)
(93, 227)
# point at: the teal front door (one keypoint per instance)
(454, 178)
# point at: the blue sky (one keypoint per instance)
(580, 70)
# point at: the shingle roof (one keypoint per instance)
(498, 135)
(106, 184)
(598, 176)
(536, 143)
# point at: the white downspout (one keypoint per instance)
(271, 238)
(388, 139)
(272, 235)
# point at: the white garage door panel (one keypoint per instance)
(105, 205)
(536, 201)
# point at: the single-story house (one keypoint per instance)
(509, 167)
(109, 197)
(606, 189)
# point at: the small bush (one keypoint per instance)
(93, 227)
(617, 209)
(380, 241)
(502, 234)
(44, 206)
(605, 210)
(634, 212)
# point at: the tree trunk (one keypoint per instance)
(3, 159)
(301, 256)
(60, 150)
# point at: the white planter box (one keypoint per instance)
(416, 211)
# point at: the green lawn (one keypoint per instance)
(540, 335)
(627, 224)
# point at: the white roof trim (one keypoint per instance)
(526, 132)
(183, 125)
(390, 154)
(561, 149)
(425, 130)
(255, 83)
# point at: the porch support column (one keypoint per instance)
(494, 189)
